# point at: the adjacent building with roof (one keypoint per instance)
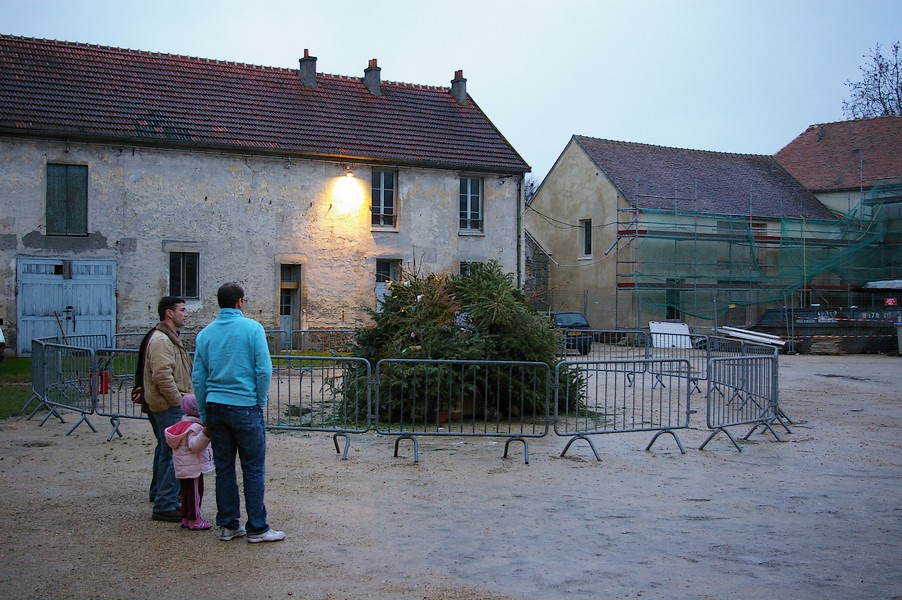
(129, 175)
(855, 168)
(848, 162)
(636, 233)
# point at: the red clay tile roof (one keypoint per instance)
(847, 155)
(656, 177)
(81, 91)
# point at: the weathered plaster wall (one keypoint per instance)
(576, 190)
(244, 215)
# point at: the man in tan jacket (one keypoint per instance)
(167, 377)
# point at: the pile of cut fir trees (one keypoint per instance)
(480, 316)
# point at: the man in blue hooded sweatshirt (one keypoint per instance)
(231, 378)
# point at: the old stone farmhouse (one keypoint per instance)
(128, 175)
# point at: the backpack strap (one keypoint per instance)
(138, 387)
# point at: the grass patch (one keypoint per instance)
(15, 386)
(15, 370)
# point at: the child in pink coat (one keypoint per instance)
(192, 456)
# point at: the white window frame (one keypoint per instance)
(472, 205)
(382, 218)
(585, 238)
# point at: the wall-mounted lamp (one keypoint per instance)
(348, 171)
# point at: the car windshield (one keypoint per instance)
(570, 320)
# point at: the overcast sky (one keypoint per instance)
(742, 76)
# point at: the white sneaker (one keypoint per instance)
(270, 535)
(226, 534)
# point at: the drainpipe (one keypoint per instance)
(520, 257)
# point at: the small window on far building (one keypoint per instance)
(184, 275)
(467, 267)
(387, 269)
(585, 237)
(67, 200)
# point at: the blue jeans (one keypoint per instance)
(152, 493)
(168, 486)
(238, 430)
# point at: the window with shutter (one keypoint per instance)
(67, 200)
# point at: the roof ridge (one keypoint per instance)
(136, 52)
(586, 137)
(843, 121)
(212, 61)
(202, 102)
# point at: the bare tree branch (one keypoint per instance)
(879, 93)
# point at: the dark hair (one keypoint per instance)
(229, 294)
(167, 302)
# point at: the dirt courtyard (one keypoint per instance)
(816, 516)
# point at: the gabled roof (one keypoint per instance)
(847, 155)
(656, 177)
(81, 91)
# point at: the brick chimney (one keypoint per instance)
(372, 79)
(307, 70)
(459, 87)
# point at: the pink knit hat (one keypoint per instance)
(189, 405)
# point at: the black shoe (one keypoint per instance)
(171, 516)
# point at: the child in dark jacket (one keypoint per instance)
(192, 456)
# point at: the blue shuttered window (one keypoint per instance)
(67, 200)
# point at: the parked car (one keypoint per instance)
(576, 330)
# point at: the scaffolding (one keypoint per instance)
(728, 269)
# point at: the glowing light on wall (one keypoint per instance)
(347, 194)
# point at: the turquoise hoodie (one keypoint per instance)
(231, 363)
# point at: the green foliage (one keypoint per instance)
(478, 316)
(15, 386)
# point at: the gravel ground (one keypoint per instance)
(816, 516)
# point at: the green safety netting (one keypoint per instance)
(702, 265)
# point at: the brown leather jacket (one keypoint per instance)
(167, 370)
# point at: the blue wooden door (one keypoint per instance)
(64, 298)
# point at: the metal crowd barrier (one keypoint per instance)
(503, 399)
(38, 387)
(325, 341)
(116, 370)
(606, 344)
(742, 390)
(330, 394)
(599, 397)
(68, 379)
(408, 398)
(128, 340)
(132, 340)
(278, 341)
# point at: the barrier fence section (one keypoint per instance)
(407, 398)
(131, 340)
(69, 380)
(742, 390)
(38, 387)
(277, 340)
(604, 344)
(505, 399)
(116, 372)
(325, 341)
(317, 393)
(618, 396)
